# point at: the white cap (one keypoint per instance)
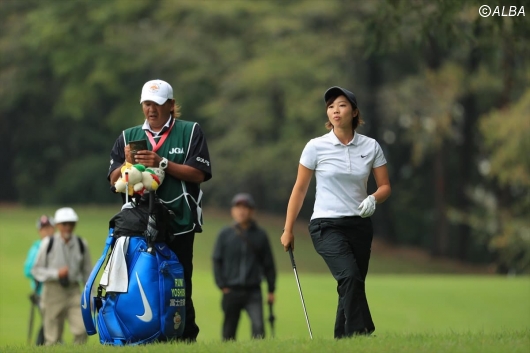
(65, 214)
(157, 91)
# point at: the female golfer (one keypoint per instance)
(340, 227)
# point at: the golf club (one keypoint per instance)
(31, 316)
(126, 187)
(271, 319)
(300, 291)
(151, 232)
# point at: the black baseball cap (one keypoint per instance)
(339, 91)
(245, 199)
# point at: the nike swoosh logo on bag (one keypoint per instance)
(148, 314)
(84, 301)
(363, 156)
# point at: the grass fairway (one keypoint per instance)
(415, 306)
(501, 342)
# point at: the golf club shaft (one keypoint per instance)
(31, 318)
(271, 319)
(300, 291)
(126, 187)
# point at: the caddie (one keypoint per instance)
(179, 148)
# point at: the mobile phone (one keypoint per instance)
(138, 145)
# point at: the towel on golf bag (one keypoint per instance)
(115, 277)
(152, 308)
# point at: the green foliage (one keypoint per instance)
(425, 106)
(507, 138)
(252, 73)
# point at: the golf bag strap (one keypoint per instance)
(86, 307)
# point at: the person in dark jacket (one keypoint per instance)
(242, 256)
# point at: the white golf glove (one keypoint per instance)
(367, 206)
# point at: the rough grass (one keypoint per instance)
(423, 311)
(466, 342)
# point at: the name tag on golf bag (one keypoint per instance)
(152, 307)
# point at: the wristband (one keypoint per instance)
(163, 163)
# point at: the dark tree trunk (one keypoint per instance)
(502, 193)
(7, 160)
(467, 153)
(439, 242)
(383, 221)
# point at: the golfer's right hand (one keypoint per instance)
(287, 240)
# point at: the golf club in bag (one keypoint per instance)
(300, 291)
(143, 281)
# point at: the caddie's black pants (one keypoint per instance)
(345, 245)
(182, 246)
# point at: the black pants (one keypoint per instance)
(182, 246)
(345, 245)
(234, 302)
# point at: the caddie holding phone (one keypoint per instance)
(179, 147)
(135, 146)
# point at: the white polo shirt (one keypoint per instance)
(341, 172)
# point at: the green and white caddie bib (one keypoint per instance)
(173, 192)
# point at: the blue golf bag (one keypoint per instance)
(152, 307)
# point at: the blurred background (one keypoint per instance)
(444, 91)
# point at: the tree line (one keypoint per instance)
(443, 89)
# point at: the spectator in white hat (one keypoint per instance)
(63, 265)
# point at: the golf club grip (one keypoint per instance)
(151, 202)
(126, 187)
(292, 257)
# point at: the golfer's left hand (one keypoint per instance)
(147, 158)
(367, 207)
